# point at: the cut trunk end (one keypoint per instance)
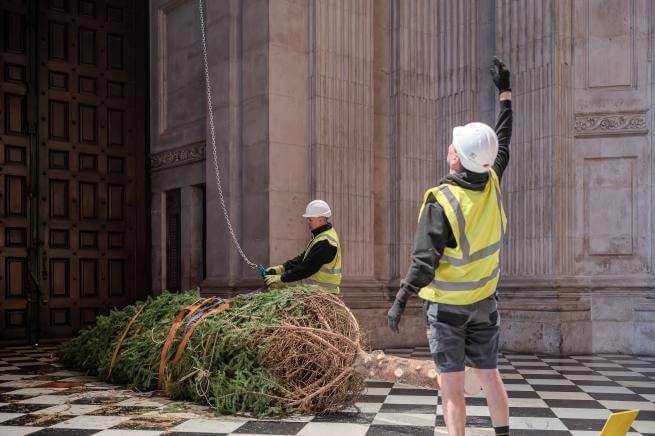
(422, 373)
(392, 369)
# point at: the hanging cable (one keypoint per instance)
(210, 113)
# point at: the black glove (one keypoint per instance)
(396, 311)
(500, 75)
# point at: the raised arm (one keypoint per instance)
(500, 75)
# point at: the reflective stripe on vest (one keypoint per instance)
(329, 276)
(462, 276)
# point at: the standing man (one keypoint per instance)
(320, 262)
(456, 263)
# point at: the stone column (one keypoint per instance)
(534, 39)
(288, 164)
(238, 58)
(432, 65)
(341, 124)
(222, 27)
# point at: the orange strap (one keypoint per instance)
(120, 341)
(184, 313)
(167, 344)
(185, 340)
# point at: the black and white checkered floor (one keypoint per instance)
(549, 395)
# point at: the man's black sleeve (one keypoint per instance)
(292, 263)
(504, 133)
(321, 253)
(429, 244)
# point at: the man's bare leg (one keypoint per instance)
(494, 390)
(454, 406)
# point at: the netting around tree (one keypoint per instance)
(274, 353)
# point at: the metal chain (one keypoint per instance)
(210, 113)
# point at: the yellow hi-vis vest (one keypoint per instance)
(329, 276)
(469, 272)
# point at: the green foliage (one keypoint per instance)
(222, 364)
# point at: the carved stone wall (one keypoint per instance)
(354, 101)
(578, 263)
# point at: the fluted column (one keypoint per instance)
(341, 124)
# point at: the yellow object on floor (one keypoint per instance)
(619, 423)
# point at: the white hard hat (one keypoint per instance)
(317, 208)
(476, 145)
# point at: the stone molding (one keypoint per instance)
(601, 124)
(177, 157)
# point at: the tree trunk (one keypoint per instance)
(379, 366)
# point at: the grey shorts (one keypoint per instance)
(463, 335)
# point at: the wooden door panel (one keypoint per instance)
(88, 198)
(59, 159)
(115, 207)
(60, 318)
(115, 59)
(15, 155)
(15, 111)
(59, 199)
(88, 47)
(15, 196)
(15, 237)
(88, 240)
(57, 41)
(59, 277)
(116, 130)
(89, 280)
(88, 121)
(16, 277)
(15, 73)
(15, 31)
(87, 85)
(59, 238)
(15, 321)
(14, 152)
(116, 277)
(59, 121)
(57, 81)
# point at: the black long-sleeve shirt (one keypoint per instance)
(434, 233)
(301, 266)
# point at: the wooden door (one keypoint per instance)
(90, 161)
(16, 144)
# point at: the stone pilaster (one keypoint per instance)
(341, 123)
(289, 117)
